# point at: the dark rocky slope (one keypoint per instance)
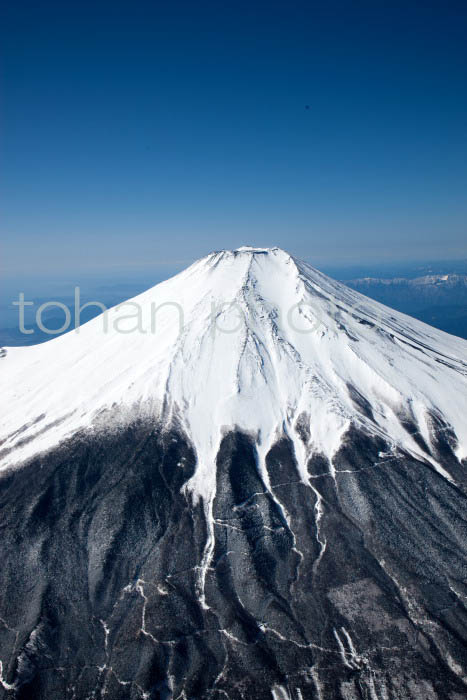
(352, 586)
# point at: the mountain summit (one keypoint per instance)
(247, 482)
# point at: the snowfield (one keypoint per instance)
(250, 338)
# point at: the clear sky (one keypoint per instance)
(149, 133)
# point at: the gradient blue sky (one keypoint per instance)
(149, 133)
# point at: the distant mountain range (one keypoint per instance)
(440, 300)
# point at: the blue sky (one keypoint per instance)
(146, 134)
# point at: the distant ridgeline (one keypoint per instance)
(440, 300)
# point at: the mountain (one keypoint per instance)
(430, 284)
(246, 482)
(438, 299)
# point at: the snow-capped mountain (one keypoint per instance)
(440, 282)
(247, 482)
(235, 331)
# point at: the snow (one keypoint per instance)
(251, 338)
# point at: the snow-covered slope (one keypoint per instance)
(251, 338)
